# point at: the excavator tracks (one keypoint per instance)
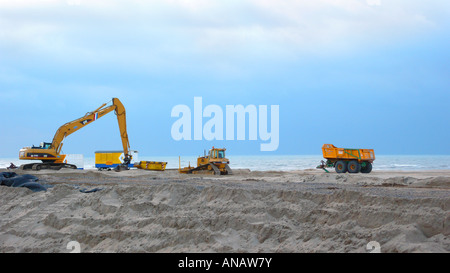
(46, 166)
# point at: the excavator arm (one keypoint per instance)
(73, 126)
(121, 119)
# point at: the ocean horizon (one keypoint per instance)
(282, 162)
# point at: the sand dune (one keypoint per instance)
(299, 211)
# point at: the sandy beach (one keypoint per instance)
(296, 211)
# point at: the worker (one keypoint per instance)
(12, 166)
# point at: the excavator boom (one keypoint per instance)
(122, 120)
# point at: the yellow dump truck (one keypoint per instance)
(345, 159)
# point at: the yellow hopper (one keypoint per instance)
(151, 165)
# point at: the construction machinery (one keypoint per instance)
(347, 160)
(150, 165)
(214, 163)
(108, 160)
(50, 152)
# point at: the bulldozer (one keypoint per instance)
(214, 163)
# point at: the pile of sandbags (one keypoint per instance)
(11, 179)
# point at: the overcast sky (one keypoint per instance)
(354, 73)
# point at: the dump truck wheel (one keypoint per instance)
(341, 167)
(367, 168)
(354, 166)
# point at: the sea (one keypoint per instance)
(284, 163)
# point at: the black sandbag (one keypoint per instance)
(6, 182)
(89, 191)
(7, 175)
(29, 176)
(11, 179)
(18, 180)
(35, 187)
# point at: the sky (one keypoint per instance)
(353, 73)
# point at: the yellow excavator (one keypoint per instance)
(49, 153)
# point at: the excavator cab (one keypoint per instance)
(45, 145)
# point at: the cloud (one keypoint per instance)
(73, 2)
(181, 34)
(373, 2)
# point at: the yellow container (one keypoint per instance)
(151, 165)
(111, 159)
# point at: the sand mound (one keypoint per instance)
(248, 212)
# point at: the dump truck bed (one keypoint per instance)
(332, 153)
